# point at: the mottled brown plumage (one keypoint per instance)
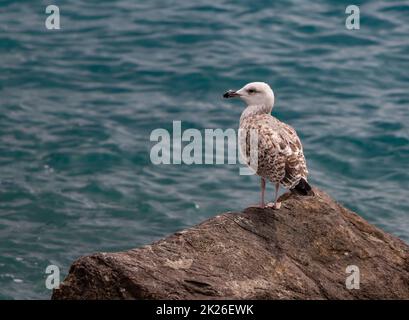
(280, 153)
(270, 147)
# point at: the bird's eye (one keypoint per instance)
(251, 91)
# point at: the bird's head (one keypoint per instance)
(254, 94)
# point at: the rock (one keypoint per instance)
(298, 252)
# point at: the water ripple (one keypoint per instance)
(78, 106)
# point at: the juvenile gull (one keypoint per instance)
(280, 154)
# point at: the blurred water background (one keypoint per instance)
(77, 107)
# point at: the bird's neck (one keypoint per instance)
(253, 110)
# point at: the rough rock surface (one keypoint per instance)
(298, 252)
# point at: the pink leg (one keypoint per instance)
(275, 205)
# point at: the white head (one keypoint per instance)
(255, 94)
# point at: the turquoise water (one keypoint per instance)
(78, 106)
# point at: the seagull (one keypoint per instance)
(280, 153)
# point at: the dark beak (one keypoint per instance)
(230, 94)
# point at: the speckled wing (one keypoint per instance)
(280, 153)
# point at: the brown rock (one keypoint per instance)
(298, 252)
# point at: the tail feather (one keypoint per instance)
(303, 188)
